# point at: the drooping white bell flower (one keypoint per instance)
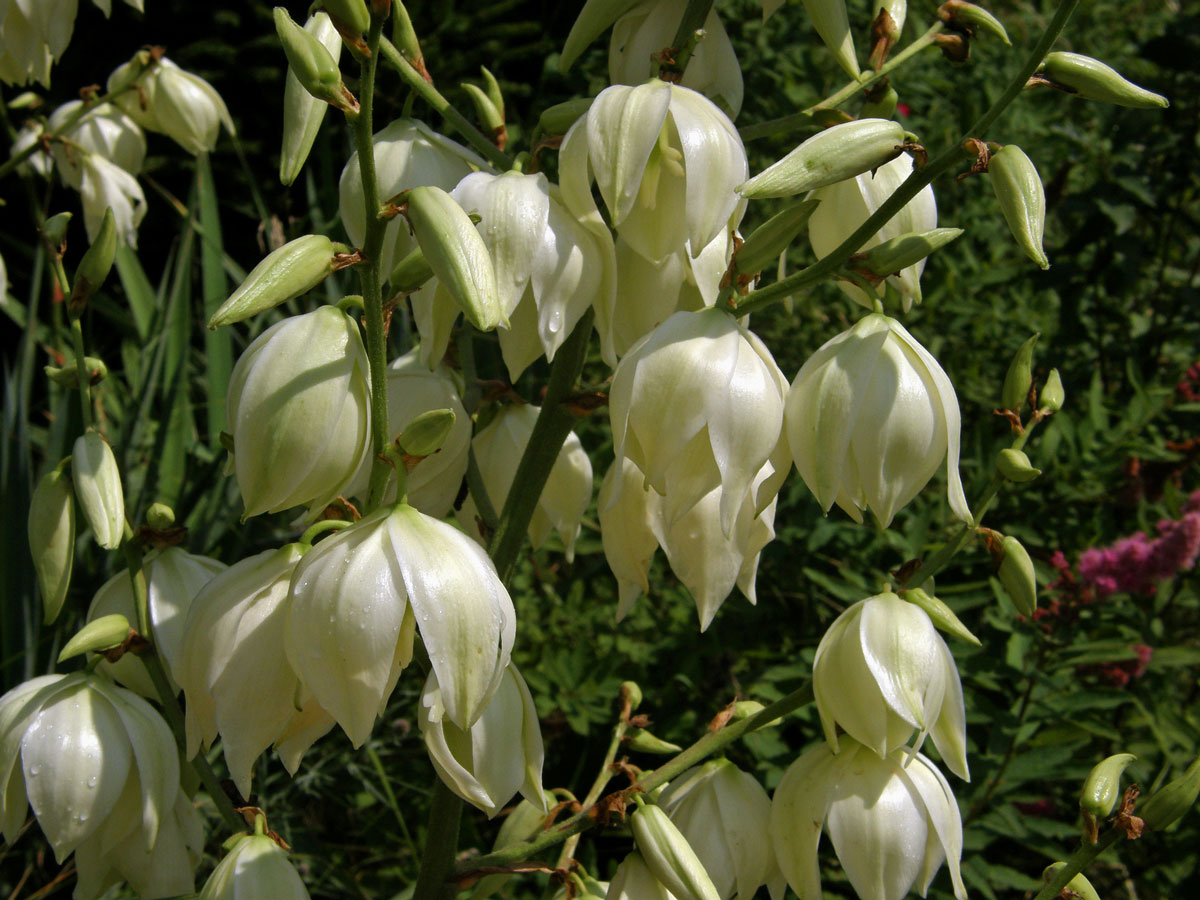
(698, 404)
(97, 483)
(358, 597)
(666, 161)
(300, 410)
(568, 490)
(105, 185)
(870, 417)
(882, 672)
(234, 672)
(100, 769)
(414, 389)
(708, 562)
(302, 112)
(846, 205)
(549, 267)
(173, 579)
(725, 814)
(408, 154)
(645, 30)
(633, 880)
(892, 820)
(255, 867)
(174, 102)
(103, 130)
(35, 33)
(499, 755)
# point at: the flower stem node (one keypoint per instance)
(669, 856)
(1017, 576)
(97, 482)
(1019, 377)
(51, 530)
(299, 403)
(870, 417)
(499, 755)
(941, 615)
(1022, 198)
(833, 155)
(308, 81)
(1078, 887)
(97, 635)
(1093, 80)
(294, 269)
(1170, 802)
(255, 866)
(881, 673)
(1015, 466)
(893, 821)
(973, 19)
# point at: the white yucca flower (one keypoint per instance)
(255, 867)
(34, 34)
(174, 102)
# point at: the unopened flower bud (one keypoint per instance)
(1015, 466)
(559, 118)
(103, 633)
(411, 272)
(833, 25)
(833, 155)
(1078, 887)
(54, 230)
(294, 269)
(1172, 801)
(668, 855)
(906, 250)
(352, 14)
(941, 615)
(1017, 576)
(1052, 392)
(68, 376)
(52, 539)
(744, 709)
(1102, 788)
(1022, 199)
(880, 103)
(97, 483)
(160, 516)
(974, 19)
(772, 238)
(425, 435)
(312, 64)
(1019, 376)
(632, 691)
(643, 741)
(96, 263)
(456, 253)
(404, 36)
(255, 866)
(1093, 80)
(490, 115)
(302, 111)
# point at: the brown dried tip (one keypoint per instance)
(955, 47)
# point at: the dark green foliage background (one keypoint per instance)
(1116, 312)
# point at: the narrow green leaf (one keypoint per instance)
(218, 362)
(142, 299)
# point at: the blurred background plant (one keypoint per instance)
(1097, 671)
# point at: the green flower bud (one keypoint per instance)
(1019, 376)
(51, 530)
(1102, 788)
(96, 263)
(559, 118)
(351, 14)
(1022, 199)
(974, 19)
(68, 376)
(404, 36)
(907, 250)
(833, 155)
(643, 741)
(425, 435)
(880, 104)
(1078, 886)
(302, 112)
(490, 115)
(1052, 392)
(160, 517)
(1093, 80)
(103, 633)
(941, 615)
(631, 690)
(313, 65)
(744, 709)
(411, 272)
(1017, 576)
(97, 483)
(1171, 802)
(772, 238)
(668, 855)
(54, 230)
(1015, 466)
(294, 269)
(833, 25)
(457, 254)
